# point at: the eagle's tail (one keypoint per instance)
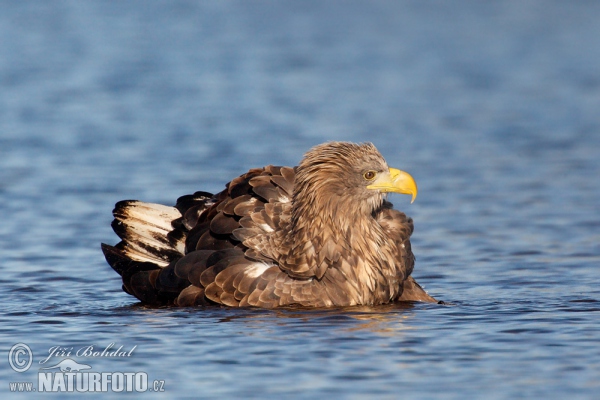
(148, 232)
(153, 238)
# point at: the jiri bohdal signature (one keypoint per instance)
(87, 351)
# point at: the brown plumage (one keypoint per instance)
(320, 234)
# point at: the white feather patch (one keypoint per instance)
(153, 214)
(266, 227)
(255, 270)
(146, 226)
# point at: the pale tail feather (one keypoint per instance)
(147, 231)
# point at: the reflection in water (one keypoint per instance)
(379, 319)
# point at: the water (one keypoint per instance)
(492, 107)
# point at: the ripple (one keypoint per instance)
(107, 101)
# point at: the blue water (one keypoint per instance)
(492, 106)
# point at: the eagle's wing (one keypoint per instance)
(224, 247)
(266, 215)
(248, 225)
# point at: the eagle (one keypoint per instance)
(320, 234)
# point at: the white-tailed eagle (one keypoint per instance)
(317, 235)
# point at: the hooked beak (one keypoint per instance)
(395, 181)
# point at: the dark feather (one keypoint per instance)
(168, 281)
(223, 224)
(192, 263)
(192, 296)
(229, 208)
(210, 240)
(143, 287)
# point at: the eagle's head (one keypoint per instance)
(346, 177)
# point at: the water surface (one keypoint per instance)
(492, 107)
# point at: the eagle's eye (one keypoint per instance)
(370, 175)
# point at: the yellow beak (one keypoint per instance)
(395, 181)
